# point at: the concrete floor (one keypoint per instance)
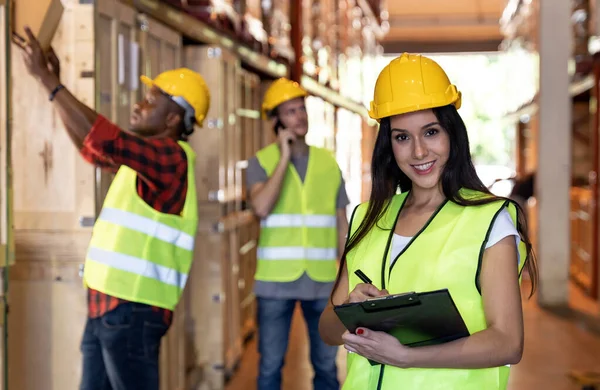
(556, 342)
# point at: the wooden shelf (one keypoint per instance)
(202, 32)
(332, 97)
(576, 87)
(528, 109)
(581, 85)
(377, 28)
(196, 29)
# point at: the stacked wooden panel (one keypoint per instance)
(6, 231)
(221, 273)
(54, 190)
(252, 140)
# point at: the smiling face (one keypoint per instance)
(421, 147)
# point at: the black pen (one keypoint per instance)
(363, 277)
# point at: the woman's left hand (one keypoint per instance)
(378, 346)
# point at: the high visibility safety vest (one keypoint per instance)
(300, 233)
(138, 253)
(446, 253)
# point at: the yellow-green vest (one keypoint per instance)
(447, 253)
(300, 233)
(138, 253)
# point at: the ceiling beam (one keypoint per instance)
(422, 21)
(393, 47)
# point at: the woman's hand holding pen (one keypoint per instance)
(378, 346)
(364, 291)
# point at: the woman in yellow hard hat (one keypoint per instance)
(442, 230)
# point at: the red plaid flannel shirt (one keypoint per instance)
(161, 165)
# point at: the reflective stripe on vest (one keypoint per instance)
(299, 220)
(297, 253)
(445, 254)
(138, 266)
(148, 226)
(300, 233)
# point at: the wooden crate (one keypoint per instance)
(250, 125)
(160, 47)
(222, 274)
(267, 134)
(214, 316)
(53, 189)
(118, 73)
(248, 240)
(214, 142)
(212, 287)
(7, 242)
(252, 139)
(6, 231)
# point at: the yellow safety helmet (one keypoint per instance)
(409, 83)
(186, 88)
(281, 91)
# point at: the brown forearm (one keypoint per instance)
(76, 116)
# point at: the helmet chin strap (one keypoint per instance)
(189, 113)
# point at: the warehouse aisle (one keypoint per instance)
(555, 343)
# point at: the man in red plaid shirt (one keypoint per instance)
(139, 256)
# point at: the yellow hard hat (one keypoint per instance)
(409, 83)
(186, 88)
(281, 91)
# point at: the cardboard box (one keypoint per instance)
(42, 16)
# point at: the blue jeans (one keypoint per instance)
(274, 322)
(121, 349)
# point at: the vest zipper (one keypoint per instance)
(380, 380)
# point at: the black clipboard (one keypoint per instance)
(415, 319)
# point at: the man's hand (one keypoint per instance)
(286, 137)
(54, 63)
(45, 68)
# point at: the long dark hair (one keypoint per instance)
(458, 173)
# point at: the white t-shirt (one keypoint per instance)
(503, 227)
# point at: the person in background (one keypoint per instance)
(142, 242)
(298, 193)
(444, 230)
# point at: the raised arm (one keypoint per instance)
(76, 116)
(264, 195)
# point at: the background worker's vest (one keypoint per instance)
(300, 233)
(138, 253)
(446, 254)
